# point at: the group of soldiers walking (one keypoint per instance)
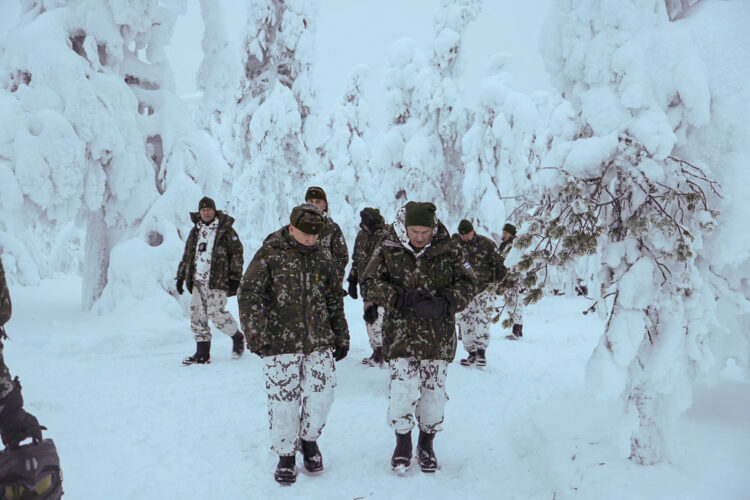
(417, 283)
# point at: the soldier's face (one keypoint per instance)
(506, 236)
(321, 204)
(303, 238)
(467, 237)
(419, 236)
(207, 214)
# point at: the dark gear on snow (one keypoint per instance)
(352, 288)
(470, 359)
(31, 471)
(401, 458)
(264, 351)
(180, 286)
(202, 354)
(436, 307)
(465, 227)
(420, 214)
(238, 345)
(286, 470)
(371, 314)
(206, 202)
(405, 299)
(315, 193)
(307, 218)
(311, 456)
(481, 357)
(375, 359)
(425, 454)
(16, 424)
(340, 352)
(232, 286)
(509, 228)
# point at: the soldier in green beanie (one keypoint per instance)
(421, 278)
(474, 321)
(331, 239)
(292, 312)
(509, 234)
(211, 268)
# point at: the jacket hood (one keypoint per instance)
(224, 219)
(282, 239)
(439, 233)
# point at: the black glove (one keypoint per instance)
(436, 307)
(340, 352)
(16, 424)
(263, 351)
(352, 287)
(180, 288)
(232, 286)
(407, 298)
(371, 314)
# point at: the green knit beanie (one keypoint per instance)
(465, 227)
(420, 214)
(206, 202)
(307, 218)
(509, 228)
(315, 192)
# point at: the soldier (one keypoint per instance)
(211, 267)
(292, 312)
(16, 424)
(420, 277)
(372, 232)
(331, 238)
(509, 234)
(474, 322)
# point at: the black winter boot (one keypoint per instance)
(286, 470)
(517, 332)
(377, 356)
(425, 453)
(401, 459)
(238, 345)
(311, 454)
(202, 354)
(470, 360)
(481, 358)
(368, 360)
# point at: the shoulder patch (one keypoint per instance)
(234, 238)
(341, 239)
(466, 265)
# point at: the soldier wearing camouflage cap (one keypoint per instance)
(16, 424)
(508, 235)
(292, 312)
(211, 268)
(331, 238)
(474, 321)
(423, 280)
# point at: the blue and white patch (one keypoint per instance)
(234, 238)
(341, 239)
(467, 266)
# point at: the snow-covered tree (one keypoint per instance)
(619, 190)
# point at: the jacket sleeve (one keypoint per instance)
(236, 257)
(253, 299)
(335, 306)
(5, 304)
(182, 269)
(358, 257)
(340, 254)
(376, 286)
(465, 285)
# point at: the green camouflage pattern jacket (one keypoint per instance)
(6, 384)
(435, 269)
(290, 299)
(227, 260)
(331, 239)
(364, 247)
(482, 254)
(502, 253)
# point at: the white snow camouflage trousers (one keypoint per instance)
(210, 304)
(474, 321)
(417, 390)
(375, 330)
(300, 394)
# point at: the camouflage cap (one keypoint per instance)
(315, 192)
(307, 218)
(206, 202)
(465, 227)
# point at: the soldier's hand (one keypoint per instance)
(232, 286)
(180, 288)
(263, 351)
(407, 298)
(371, 314)
(340, 352)
(352, 291)
(23, 425)
(436, 307)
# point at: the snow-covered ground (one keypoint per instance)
(131, 422)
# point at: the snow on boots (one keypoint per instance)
(425, 454)
(238, 345)
(202, 354)
(311, 454)
(470, 360)
(286, 470)
(401, 459)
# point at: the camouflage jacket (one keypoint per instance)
(226, 258)
(436, 269)
(502, 253)
(331, 239)
(482, 254)
(5, 305)
(290, 298)
(364, 246)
